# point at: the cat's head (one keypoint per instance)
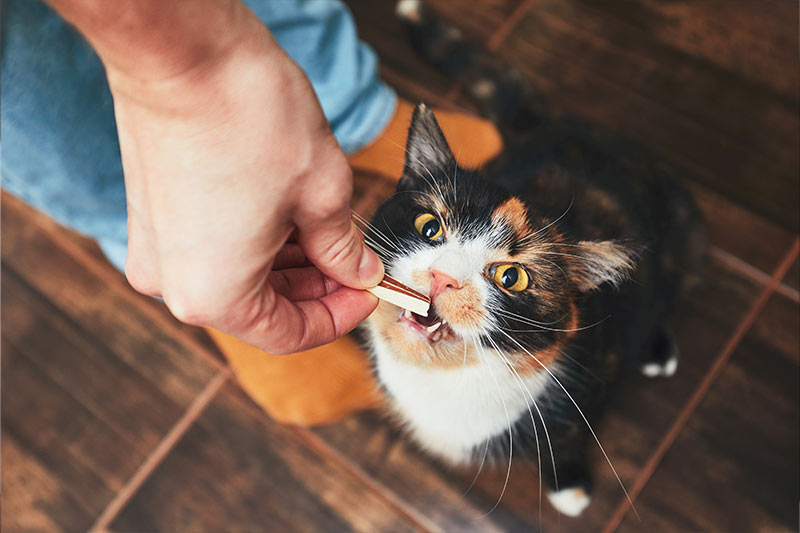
(500, 276)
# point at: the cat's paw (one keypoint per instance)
(662, 359)
(654, 369)
(571, 501)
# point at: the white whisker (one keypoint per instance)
(370, 226)
(529, 396)
(542, 327)
(571, 202)
(510, 432)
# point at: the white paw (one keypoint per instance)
(570, 502)
(408, 9)
(653, 370)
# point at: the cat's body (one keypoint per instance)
(527, 263)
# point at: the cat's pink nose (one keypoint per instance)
(441, 282)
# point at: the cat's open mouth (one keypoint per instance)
(433, 327)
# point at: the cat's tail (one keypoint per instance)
(502, 93)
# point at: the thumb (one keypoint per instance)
(336, 247)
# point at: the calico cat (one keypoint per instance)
(550, 270)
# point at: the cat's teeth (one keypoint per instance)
(407, 314)
(434, 327)
(436, 337)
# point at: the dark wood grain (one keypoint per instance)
(34, 499)
(751, 39)
(740, 232)
(792, 278)
(738, 137)
(400, 66)
(477, 20)
(637, 419)
(94, 294)
(80, 417)
(89, 385)
(735, 466)
(236, 471)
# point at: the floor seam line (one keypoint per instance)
(689, 408)
(161, 451)
(325, 450)
(497, 38)
(751, 271)
(321, 447)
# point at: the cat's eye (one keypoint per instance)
(428, 226)
(510, 277)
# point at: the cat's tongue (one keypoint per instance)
(425, 321)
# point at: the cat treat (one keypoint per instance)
(401, 295)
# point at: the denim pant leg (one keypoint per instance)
(59, 148)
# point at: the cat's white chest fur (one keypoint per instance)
(451, 411)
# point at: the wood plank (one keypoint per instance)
(69, 355)
(376, 445)
(753, 39)
(735, 467)
(637, 418)
(721, 127)
(90, 383)
(400, 65)
(236, 470)
(33, 498)
(477, 20)
(96, 296)
(82, 417)
(74, 244)
(739, 231)
(792, 278)
(777, 327)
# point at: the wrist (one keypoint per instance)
(149, 41)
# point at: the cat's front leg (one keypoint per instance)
(569, 488)
(660, 357)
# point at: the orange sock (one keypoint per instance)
(326, 384)
(318, 386)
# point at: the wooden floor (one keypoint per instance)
(115, 416)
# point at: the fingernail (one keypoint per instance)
(370, 270)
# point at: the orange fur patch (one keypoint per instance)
(527, 365)
(442, 355)
(513, 213)
(462, 307)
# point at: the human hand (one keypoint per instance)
(226, 154)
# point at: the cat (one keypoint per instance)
(550, 271)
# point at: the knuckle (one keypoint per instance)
(140, 279)
(187, 309)
(192, 302)
(331, 206)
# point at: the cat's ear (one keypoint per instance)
(427, 152)
(600, 262)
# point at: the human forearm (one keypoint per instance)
(155, 40)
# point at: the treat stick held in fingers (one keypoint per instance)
(401, 295)
(397, 293)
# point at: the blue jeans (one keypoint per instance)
(59, 148)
